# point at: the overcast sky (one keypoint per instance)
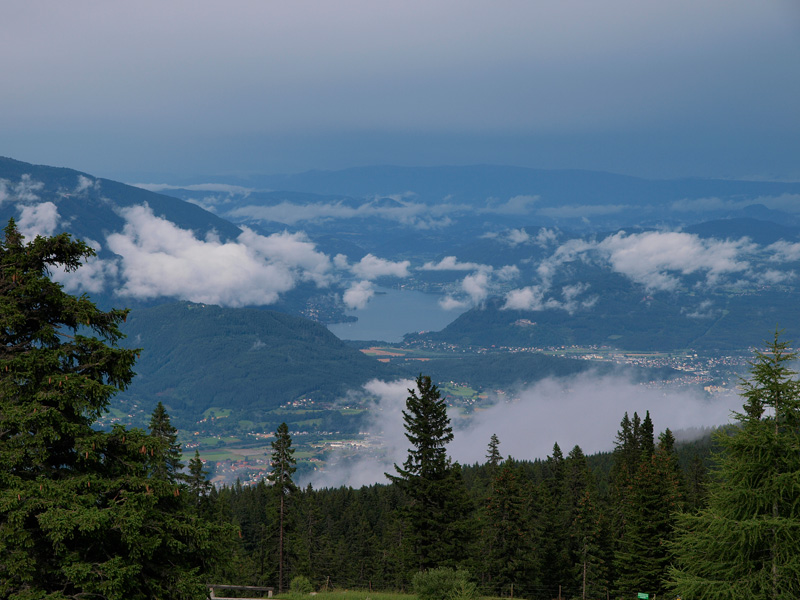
(154, 90)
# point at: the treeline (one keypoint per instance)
(530, 528)
(114, 514)
(642, 523)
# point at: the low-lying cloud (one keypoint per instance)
(371, 267)
(156, 258)
(38, 219)
(476, 287)
(399, 210)
(584, 410)
(784, 202)
(660, 261)
(358, 295)
(160, 259)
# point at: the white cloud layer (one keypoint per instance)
(156, 258)
(585, 410)
(160, 259)
(451, 263)
(413, 214)
(371, 267)
(38, 219)
(358, 294)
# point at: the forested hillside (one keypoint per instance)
(114, 514)
(532, 525)
(250, 361)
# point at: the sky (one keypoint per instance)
(182, 90)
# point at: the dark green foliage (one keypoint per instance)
(621, 319)
(166, 461)
(493, 456)
(744, 544)
(437, 514)
(444, 583)
(507, 538)
(197, 478)
(650, 510)
(282, 465)
(80, 512)
(543, 526)
(507, 369)
(248, 360)
(301, 585)
(586, 528)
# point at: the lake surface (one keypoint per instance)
(392, 313)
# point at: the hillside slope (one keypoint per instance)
(196, 356)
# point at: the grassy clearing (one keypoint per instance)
(216, 412)
(220, 455)
(360, 595)
(461, 391)
(355, 595)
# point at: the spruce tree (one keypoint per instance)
(80, 515)
(655, 498)
(283, 468)
(493, 456)
(507, 535)
(552, 523)
(437, 505)
(585, 528)
(197, 478)
(166, 460)
(744, 544)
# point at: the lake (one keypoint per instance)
(391, 313)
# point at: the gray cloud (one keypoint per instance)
(385, 427)
(546, 79)
(580, 212)
(786, 202)
(476, 287)
(518, 205)
(412, 214)
(198, 187)
(451, 263)
(656, 259)
(513, 237)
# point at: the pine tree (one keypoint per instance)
(283, 468)
(744, 544)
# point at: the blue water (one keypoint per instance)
(391, 313)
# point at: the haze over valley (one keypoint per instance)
(542, 316)
(550, 208)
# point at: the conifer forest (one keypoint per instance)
(121, 513)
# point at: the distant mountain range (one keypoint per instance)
(535, 258)
(88, 206)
